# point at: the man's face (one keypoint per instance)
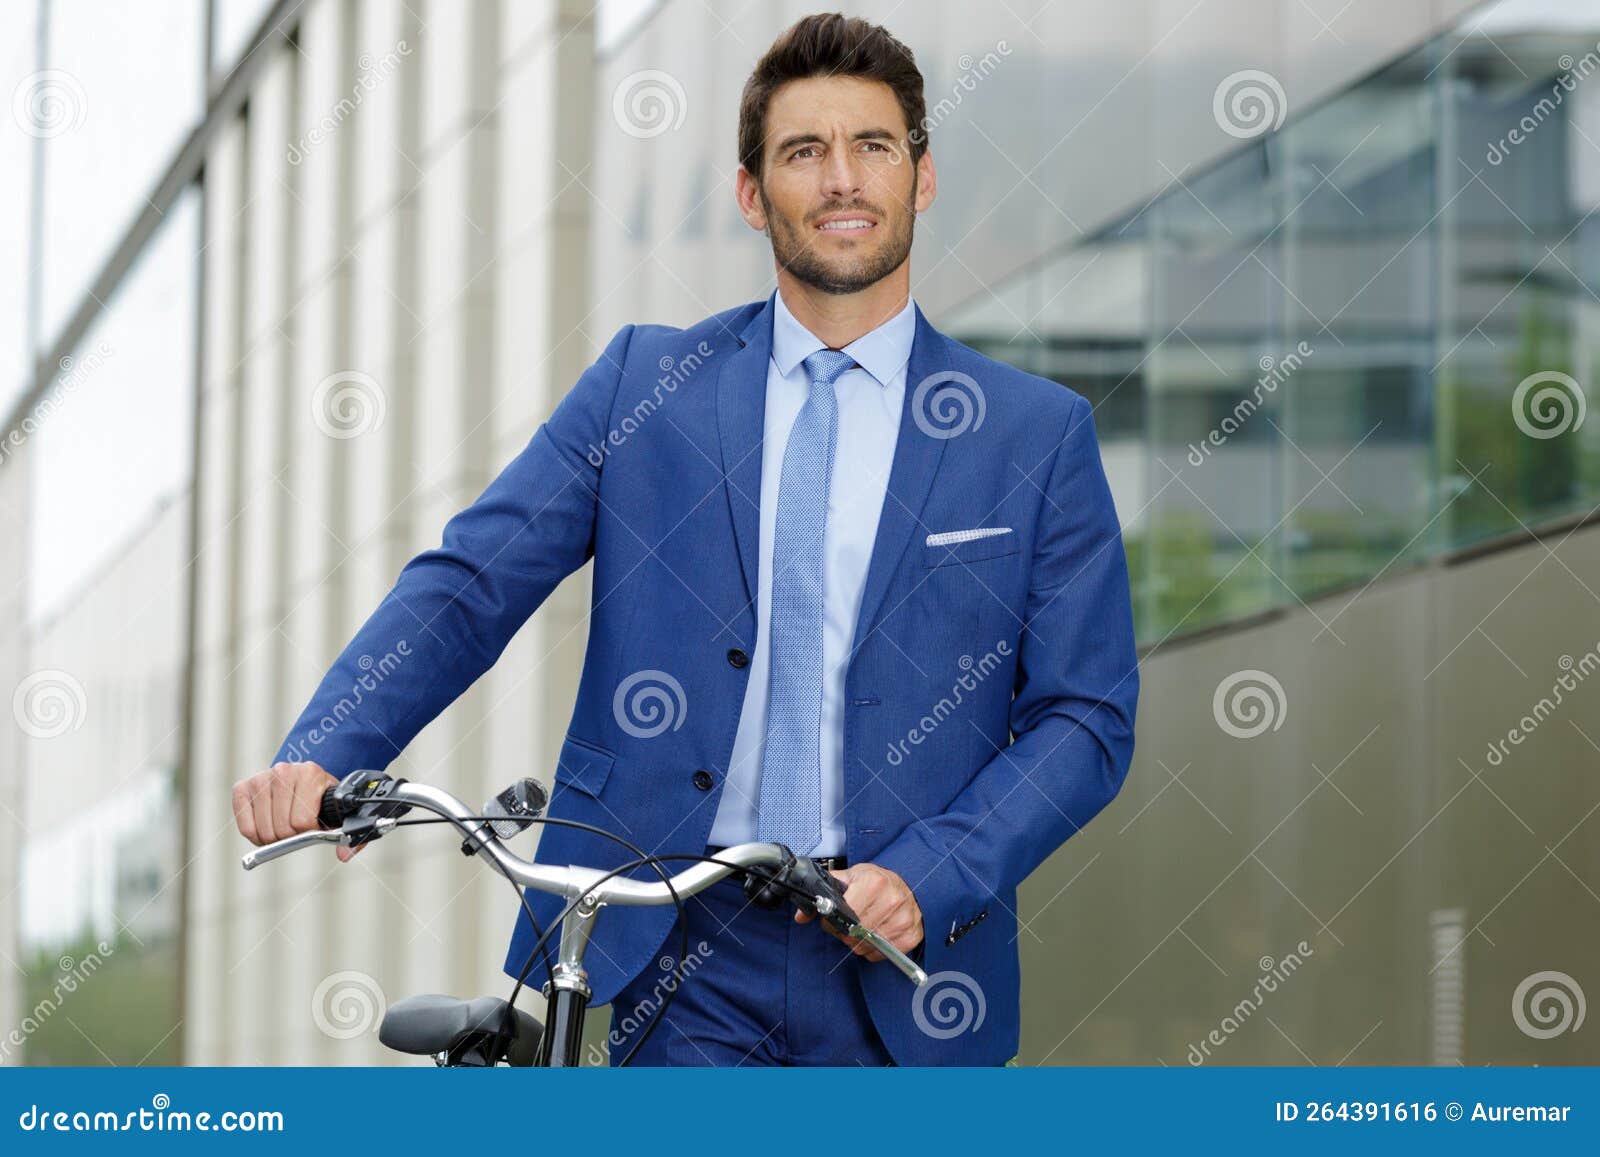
(838, 194)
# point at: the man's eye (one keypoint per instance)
(804, 150)
(878, 145)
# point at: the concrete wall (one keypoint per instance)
(1426, 881)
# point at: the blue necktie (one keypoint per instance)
(790, 807)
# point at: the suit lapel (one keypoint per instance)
(916, 461)
(741, 421)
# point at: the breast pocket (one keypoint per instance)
(978, 582)
(939, 550)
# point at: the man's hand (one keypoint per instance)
(282, 801)
(885, 904)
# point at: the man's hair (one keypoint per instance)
(830, 44)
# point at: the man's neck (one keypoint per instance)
(840, 318)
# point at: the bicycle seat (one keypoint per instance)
(470, 1032)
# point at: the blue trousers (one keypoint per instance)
(755, 989)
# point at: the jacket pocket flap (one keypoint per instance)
(583, 766)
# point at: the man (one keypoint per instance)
(857, 589)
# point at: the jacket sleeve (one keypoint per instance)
(1072, 713)
(454, 608)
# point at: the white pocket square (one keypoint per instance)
(951, 537)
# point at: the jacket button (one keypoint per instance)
(737, 658)
(703, 780)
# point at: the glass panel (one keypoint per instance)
(19, 78)
(1521, 330)
(114, 446)
(1364, 237)
(126, 90)
(1217, 267)
(102, 703)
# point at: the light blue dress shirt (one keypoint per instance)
(870, 399)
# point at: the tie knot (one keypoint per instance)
(825, 366)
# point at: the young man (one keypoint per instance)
(874, 578)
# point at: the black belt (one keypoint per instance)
(826, 863)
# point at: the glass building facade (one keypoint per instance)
(1307, 360)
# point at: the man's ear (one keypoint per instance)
(927, 183)
(747, 191)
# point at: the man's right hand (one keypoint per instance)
(282, 801)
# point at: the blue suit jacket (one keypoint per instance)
(989, 699)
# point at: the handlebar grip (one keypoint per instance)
(331, 813)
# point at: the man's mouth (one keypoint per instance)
(846, 223)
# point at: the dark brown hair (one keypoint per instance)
(830, 44)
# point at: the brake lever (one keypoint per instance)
(366, 830)
(913, 971)
(825, 899)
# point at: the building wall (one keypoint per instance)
(420, 263)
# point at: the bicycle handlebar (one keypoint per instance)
(352, 823)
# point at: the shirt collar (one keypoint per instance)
(882, 352)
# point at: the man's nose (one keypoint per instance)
(844, 175)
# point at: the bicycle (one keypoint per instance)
(487, 1031)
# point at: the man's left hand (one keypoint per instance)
(885, 904)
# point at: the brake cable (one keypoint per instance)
(644, 860)
(541, 944)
